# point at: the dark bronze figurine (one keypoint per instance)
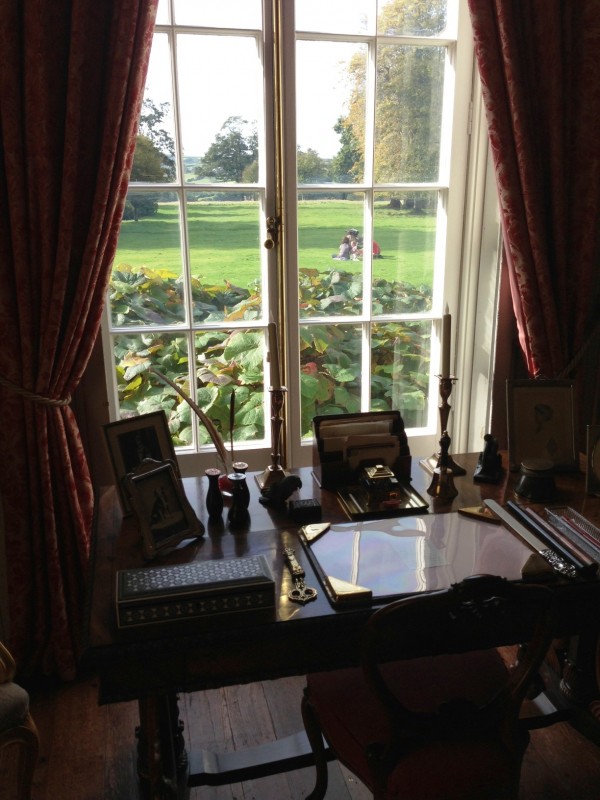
(489, 466)
(276, 494)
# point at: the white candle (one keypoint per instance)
(446, 336)
(274, 357)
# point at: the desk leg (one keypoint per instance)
(578, 680)
(571, 682)
(162, 759)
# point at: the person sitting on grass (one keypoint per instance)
(345, 250)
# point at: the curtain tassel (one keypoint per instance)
(35, 398)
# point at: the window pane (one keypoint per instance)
(328, 286)
(400, 356)
(330, 367)
(225, 257)
(408, 113)
(224, 14)
(412, 19)
(330, 79)
(162, 13)
(154, 158)
(146, 286)
(226, 361)
(219, 107)
(394, 17)
(141, 391)
(336, 16)
(405, 234)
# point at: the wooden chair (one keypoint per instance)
(440, 726)
(18, 733)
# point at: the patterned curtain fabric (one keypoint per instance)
(72, 74)
(539, 67)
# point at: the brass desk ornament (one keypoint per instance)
(442, 482)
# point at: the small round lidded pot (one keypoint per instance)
(536, 482)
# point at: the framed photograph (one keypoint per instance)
(592, 473)
(132, 440)
(541, 423)
(163, 511)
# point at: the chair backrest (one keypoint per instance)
(471, 617)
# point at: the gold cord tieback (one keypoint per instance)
(35, 398)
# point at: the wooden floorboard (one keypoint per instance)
(88, 752)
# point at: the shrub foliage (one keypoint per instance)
(232, 360)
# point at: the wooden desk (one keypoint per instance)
(153, 668)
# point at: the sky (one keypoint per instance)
(221, 78)
(206, 104)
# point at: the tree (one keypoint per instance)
(347, 166)
(311, 167)
(408, 101)
(151, 119)
(147, 162)
(233, 150)
(250, 174)
(153, 160)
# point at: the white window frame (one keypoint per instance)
(470, 261)
(471, 209)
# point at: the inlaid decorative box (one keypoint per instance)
(194, 592)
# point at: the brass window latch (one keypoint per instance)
(273, 224)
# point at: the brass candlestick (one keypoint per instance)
(274, 473)
(431, 463)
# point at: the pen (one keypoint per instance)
(558, 562)
(556, 541)
(588, 565)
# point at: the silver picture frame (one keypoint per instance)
(131, 440)
(164, 513)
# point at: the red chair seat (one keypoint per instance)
(352, 721)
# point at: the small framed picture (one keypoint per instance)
(541, 423)
(163, 511)
(592, 473)
(132, 440)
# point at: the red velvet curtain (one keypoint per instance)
(539, 66)
(72, 75)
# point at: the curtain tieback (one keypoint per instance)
(35, 398)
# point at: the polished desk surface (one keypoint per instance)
(301, 638)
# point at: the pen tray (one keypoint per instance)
(358, 505)
(576, 528)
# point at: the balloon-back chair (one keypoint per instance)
(434, 727)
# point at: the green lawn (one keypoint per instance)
(225, 240)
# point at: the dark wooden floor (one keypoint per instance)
(88, 751)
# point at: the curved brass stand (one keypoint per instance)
(274, 473)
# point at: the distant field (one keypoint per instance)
(225, 240)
